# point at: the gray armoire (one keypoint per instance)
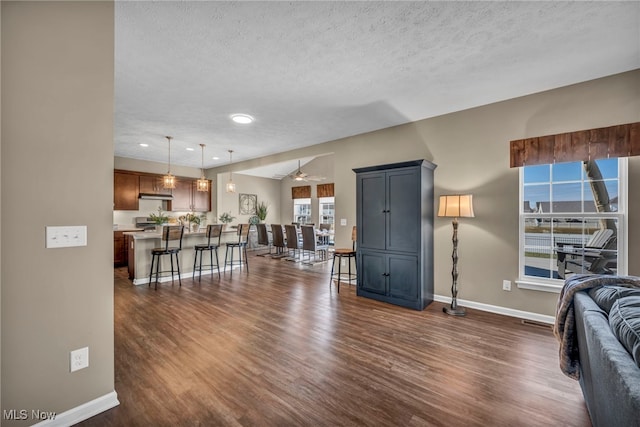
(395, 233)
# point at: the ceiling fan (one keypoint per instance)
(301, 176)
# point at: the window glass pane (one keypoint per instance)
(608, 168)
(538, 173)
(539, 258)
(327, 210)
(567, 197)
(302, 211)
(595, 251)
(534, 195)
(567, 171)
(611, 192)
(569, 232)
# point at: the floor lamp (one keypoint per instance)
(455, 206)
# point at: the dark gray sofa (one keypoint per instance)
(609, 375)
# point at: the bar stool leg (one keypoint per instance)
(339, 270)
(333, 264)
(178, 265)
(195, 260)
(217, 263)
(153, 257)
(200, 268)
(157, 271)
(171, 258)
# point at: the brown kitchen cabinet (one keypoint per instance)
(201, 199)
(186, 197)
(125, 191)
(120, 253)
(152, 184)
(131, 256)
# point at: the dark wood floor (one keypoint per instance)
(276, 347)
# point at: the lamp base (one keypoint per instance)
(458, 311)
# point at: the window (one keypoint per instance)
(326, 210)
(302, 211)
(572, 219)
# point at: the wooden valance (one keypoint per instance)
(302, 192)
(584, 145)
(325, 190)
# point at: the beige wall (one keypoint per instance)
(267, 190)
(57, 165)
(471, 149)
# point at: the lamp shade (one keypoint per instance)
(456, 206)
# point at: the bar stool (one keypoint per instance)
(241, 244)
(169, 233)
(348, 254)
(214, 233)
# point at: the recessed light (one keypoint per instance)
(189, 149)
(144, 145)
(243, 119)
(216, 158)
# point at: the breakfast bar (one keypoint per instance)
(140, 245)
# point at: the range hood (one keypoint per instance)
(151, 196)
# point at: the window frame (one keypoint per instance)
(555, 285)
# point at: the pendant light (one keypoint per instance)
(231, 187)
(203, 183)
(169, 181)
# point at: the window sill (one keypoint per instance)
(539, 286)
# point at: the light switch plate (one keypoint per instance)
(66, 236)
(343, 221)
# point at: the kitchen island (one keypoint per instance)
(139, 246)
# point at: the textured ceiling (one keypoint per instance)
(311, 72)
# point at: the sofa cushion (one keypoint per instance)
(624, 319)
(606, 295)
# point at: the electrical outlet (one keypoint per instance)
(506, 285)
(79, 359)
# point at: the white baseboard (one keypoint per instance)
(536, 317)
(82, 412)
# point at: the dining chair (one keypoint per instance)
(263, 238)
(342, 253)
(170, 233)
(214, 234)
(241, 245)
(310, 245)
(293, 243)
(278, 241)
